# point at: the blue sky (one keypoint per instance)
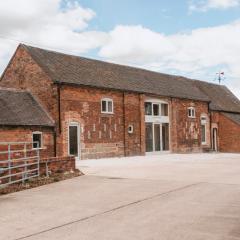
(193, 38)
(168, 17)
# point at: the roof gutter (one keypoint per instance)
(224, 111)
(127, 90)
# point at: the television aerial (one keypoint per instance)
(220, 76)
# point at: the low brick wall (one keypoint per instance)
(47, 167)
(57, 165)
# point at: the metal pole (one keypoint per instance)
(25, 163)
(38, 159)
(9, 163)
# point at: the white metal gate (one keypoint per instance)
(19, 161)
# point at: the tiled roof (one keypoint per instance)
(233, 116)
(70, 69)
(82, 71)
(20, 108)
(222, 99)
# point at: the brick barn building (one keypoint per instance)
(93, 109)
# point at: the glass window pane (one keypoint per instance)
(73, 140)
(193, 112)
(165, 136)
(157, 139)
(37, 140)
(110, 108)
(104, 106)
(164, 109)
(203, 127)
(149, 137)
(156, 109)
(148, 108)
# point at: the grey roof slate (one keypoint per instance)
(20, 108)
(222, 99)
(70, 69)
(82, 71)
(233, 116)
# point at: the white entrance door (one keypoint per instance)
(74, 140)
(157, 137)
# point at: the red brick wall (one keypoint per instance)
(229, 135)
(185, 131)
(24, 73)
(134, 110)
(47, 166)
(24, 134)
(57, 165)
(102, 135)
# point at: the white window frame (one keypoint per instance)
(204, 119)
(75, 124)
(159, 103)
(107, 100)
(40, 133)
(192, 111)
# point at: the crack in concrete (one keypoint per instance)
(109, 211)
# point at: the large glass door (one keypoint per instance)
(149, 137)
(165, 136)
(157, 137)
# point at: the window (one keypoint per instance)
(203, 130)
(148, 108)
(37, 139)
(191, 112)
(130, 129)
(156, 109)
(164, 110)
(107, 105)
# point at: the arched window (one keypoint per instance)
(107, 105)
(191, 112)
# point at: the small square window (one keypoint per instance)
(37, 140)
(191, 112)
(107, 105)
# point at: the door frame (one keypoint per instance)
(215, 139)
(75, 124)
(161, 139)
(160, 135)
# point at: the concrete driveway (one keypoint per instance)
(162, 197)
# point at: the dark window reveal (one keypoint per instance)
(37, 140)
(148, 108)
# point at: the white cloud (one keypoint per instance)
(196, 54)
(47, 23)
(204, 5)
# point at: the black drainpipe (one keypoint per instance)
(140, 117)
(55, 142)
(210, 119)
(59, 109)
(59, 130)
(124, 127)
